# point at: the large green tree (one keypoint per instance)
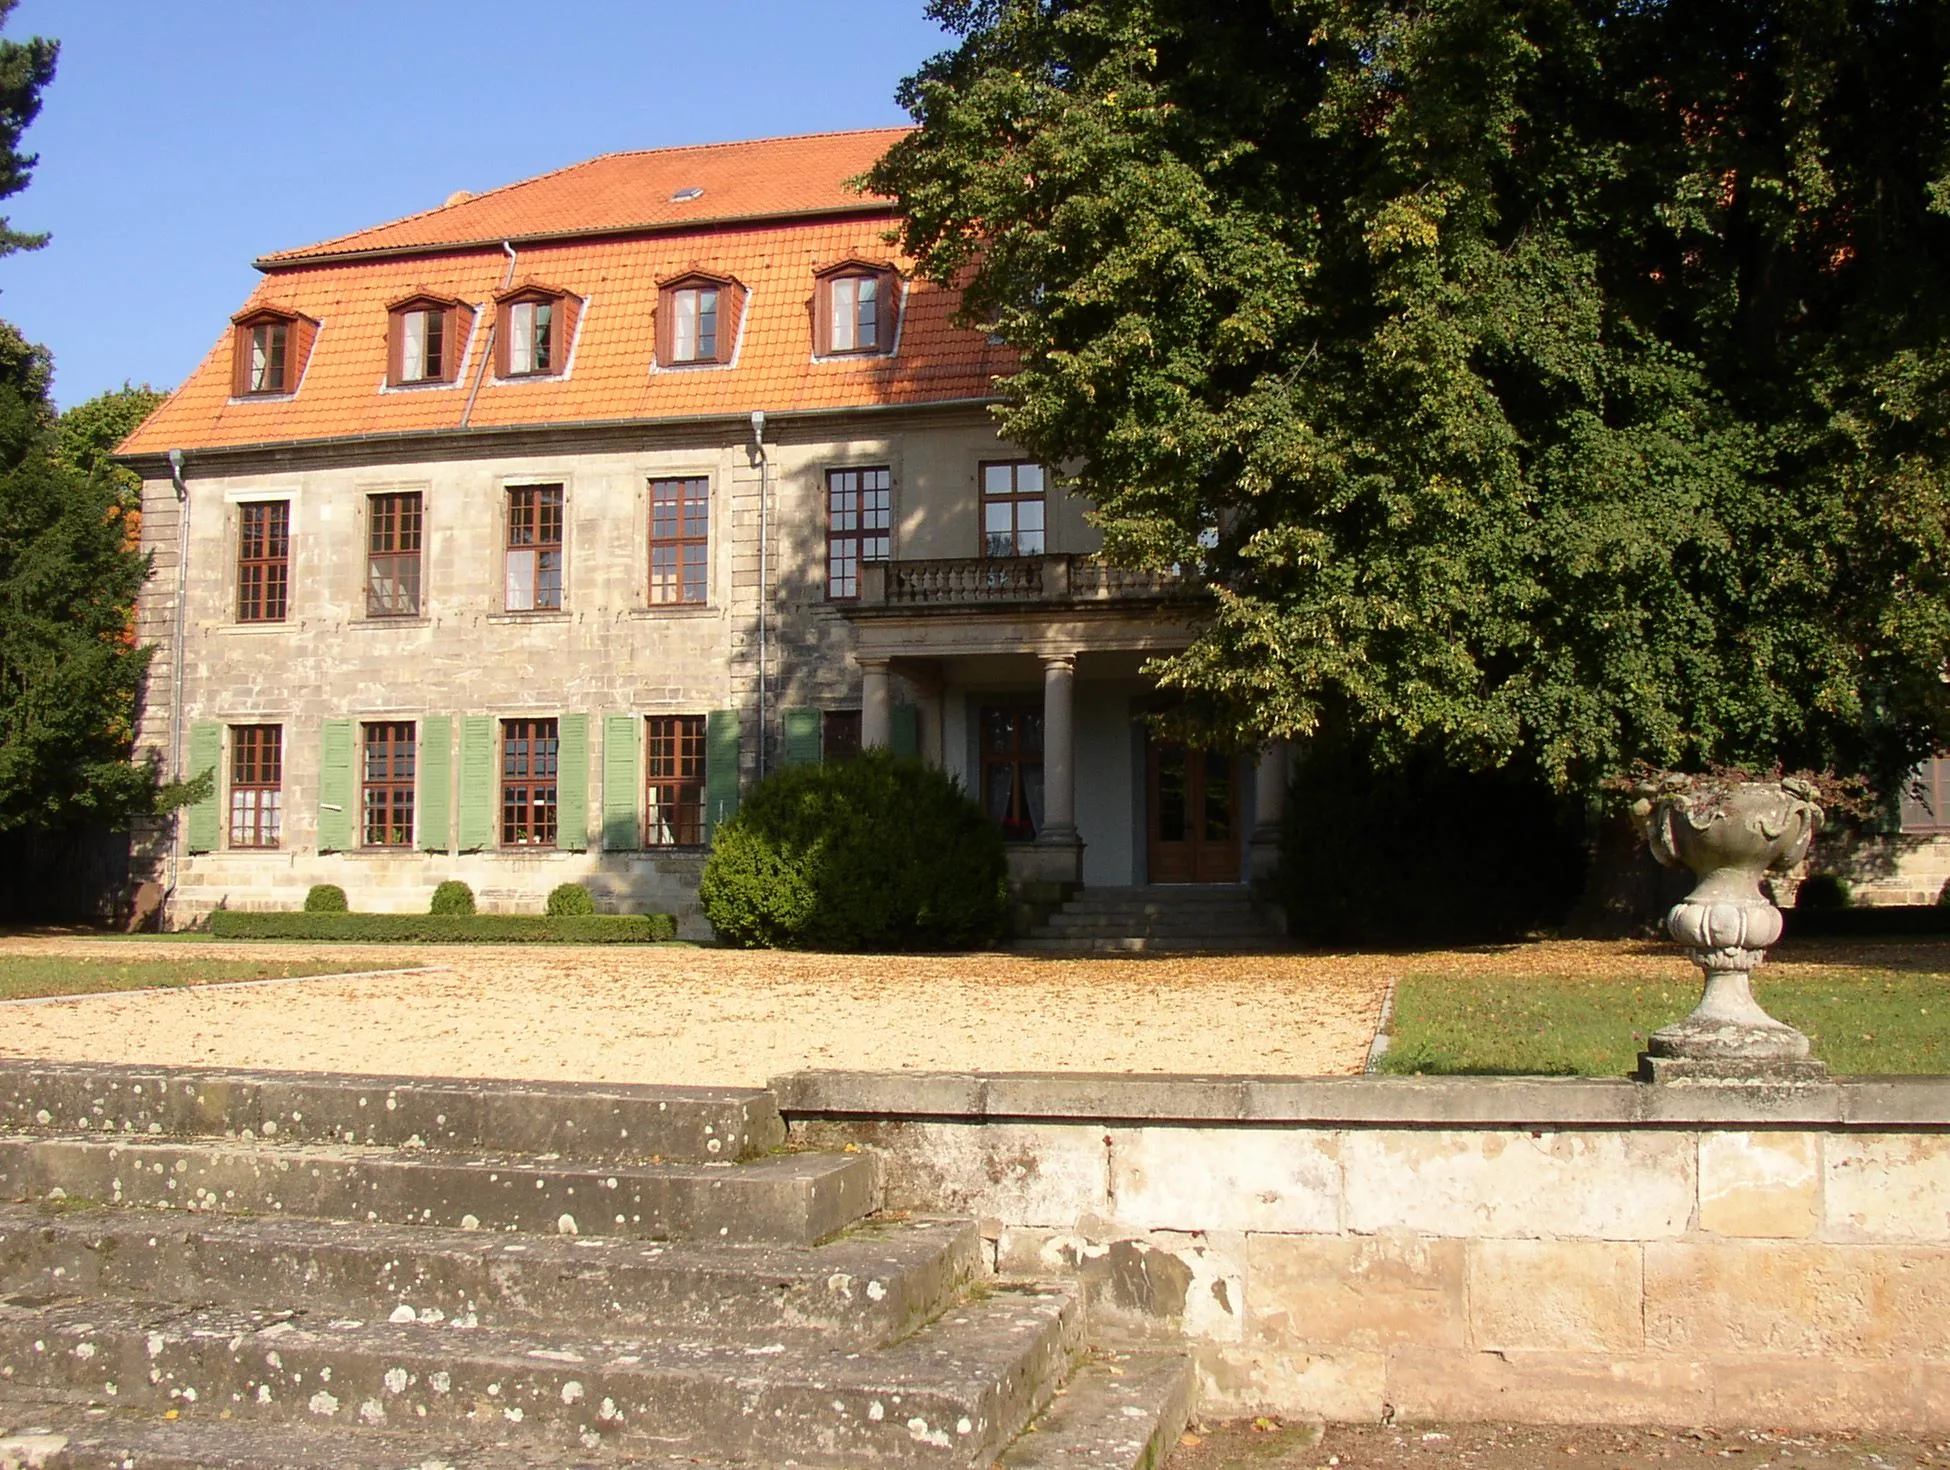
(70, 668)
(1561, 383)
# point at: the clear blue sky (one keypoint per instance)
(181, 141)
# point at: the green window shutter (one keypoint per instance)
(572, 783)
(904, 736)
(720, 765)
(621, 831)
(435, 797)
(801, 736)
(335, 787)
(476, 782)
(206, 752)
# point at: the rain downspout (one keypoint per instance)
(178, 652)
(487, 347)
(764, 500)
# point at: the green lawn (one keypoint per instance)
(1554, 1025)
(25, 976)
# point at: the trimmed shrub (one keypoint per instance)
(326, 898)
(446, 928)
(871, 853)
(1823, 891)
(570, 900)
(451, 898)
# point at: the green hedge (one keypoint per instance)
(874, 853)
(446, 928)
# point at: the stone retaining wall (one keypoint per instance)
(1463, 1248)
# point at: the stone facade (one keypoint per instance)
(1574, 1252)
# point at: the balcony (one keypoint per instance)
(1067, 580)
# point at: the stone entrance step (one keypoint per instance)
(798, 1198)
(244, 1271)
(946, 1397)
(874, 1284)
(1169, 919)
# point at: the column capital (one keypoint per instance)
(872, 665)
(1059, 660)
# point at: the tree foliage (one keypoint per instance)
(26, 67)
(1564, 380)
(70, 670)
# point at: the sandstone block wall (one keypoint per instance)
(1778, 1275)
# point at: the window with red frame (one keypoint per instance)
(674, 796)
(386, 784)
(1013, 507)
(680, 540)
(859, 521)
(256, 785)
(393, 555)
(263, 560)
(534, 558)
(528, 766)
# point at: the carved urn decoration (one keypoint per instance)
(1730, 833)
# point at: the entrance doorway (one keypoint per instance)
(1191, 814)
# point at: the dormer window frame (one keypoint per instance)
(685, 304)
(411, 331)
(843, 313)
(516, 311)
(270, 346)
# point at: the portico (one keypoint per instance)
(1026, 675)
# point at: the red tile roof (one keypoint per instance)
(611, 375)
(767, 179)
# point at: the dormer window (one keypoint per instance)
(268, 351)
(857, 304)
(535, 326)
(427, 340)
(697, 320)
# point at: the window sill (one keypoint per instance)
(541, 615)
(414, 620)
(380, 852)
(674, 610)
(282, 626)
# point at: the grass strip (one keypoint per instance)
(446, 928)
(30, 977)
(1861, 1022)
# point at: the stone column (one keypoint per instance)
(1269, 810)
(1059, 749)
(876, 706)
(932, 721)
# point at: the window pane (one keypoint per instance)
(521, 337)
(542, 359)
(521, 581)
(683, 333)
(846, 303)
(413, 353)
(1029, 479)
(435, 330)
(1029, 515)
(998, 479)
(707, 325)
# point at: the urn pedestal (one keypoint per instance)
(1729, 834)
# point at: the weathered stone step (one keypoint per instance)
(1091, 925)
(42, 1436)
(950, 1396)
(874, 1284)
(1120, 1411)
(610, 1123)
(1139, 944)
(795, 1198)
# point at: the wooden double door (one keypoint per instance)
(1192, 832)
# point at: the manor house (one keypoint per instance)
(511, 541)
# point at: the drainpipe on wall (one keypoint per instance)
(764, 499)
(487, 344)
(177, 655)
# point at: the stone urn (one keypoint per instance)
(1730, 833)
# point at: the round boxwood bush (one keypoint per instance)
(570, 901)
(452, 897)
(871, 853)
(326, 898)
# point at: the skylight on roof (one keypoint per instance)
(685, 195)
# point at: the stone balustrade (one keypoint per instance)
(973, 581)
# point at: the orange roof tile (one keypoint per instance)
(611, 374)
(618, 192)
